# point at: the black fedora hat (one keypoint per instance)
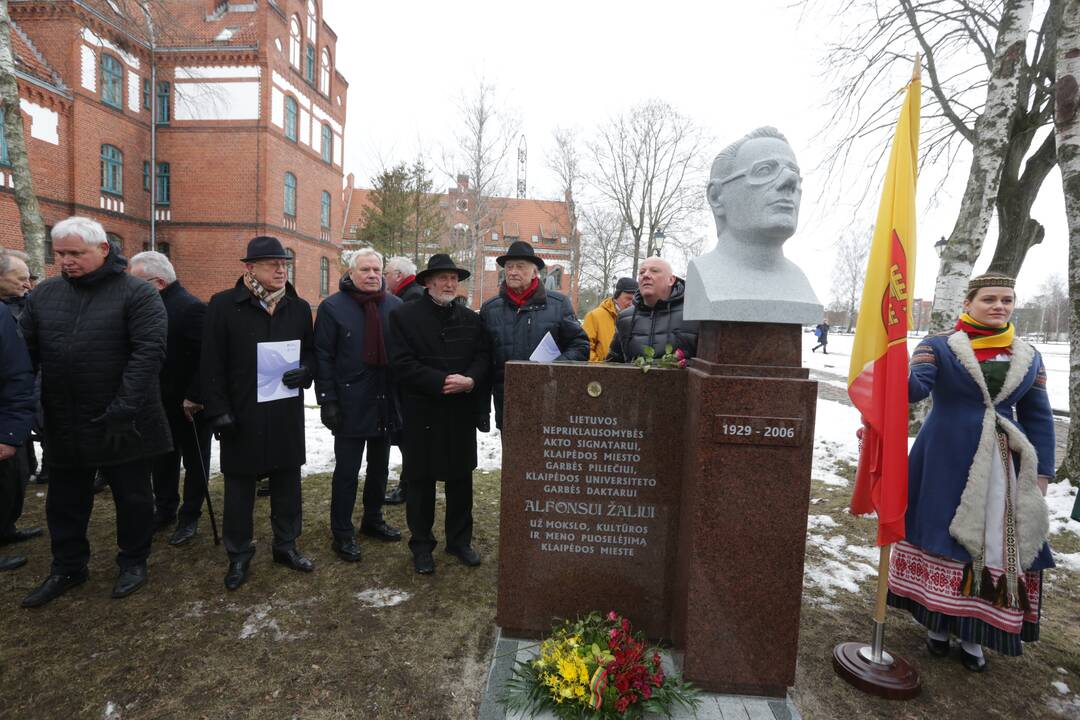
(441, 262)
(521, 250)
(265, 247)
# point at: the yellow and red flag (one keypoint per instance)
(877, 378)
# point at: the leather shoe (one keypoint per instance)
(466, 555)
(937, 648)
(21, 534)
(382, 531)
(53, 587)
(237, 574)
(395, 497)
(972, 663)
(347, 549)
(292, 558)
(184, 534)
(129, 580)
(424, 563)
(10, 562)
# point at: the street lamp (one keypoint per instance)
(658, 241)
(939, 246)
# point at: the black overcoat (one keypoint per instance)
(412, 291)
(366, 397)
(268, 435)
(427, 343)
(99, 341)
(180, 373)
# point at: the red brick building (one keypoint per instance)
(544, 224)
(247, 114)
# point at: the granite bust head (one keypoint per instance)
(755, 189)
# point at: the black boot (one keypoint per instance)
(129, 580)
(53, 587)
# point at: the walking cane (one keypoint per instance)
(206, 485)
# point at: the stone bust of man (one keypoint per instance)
(754, 192)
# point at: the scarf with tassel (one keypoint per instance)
(268, 299)
(987, 342)
(374, 347)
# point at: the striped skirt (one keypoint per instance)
(928, 586)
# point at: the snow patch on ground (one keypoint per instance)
(834, 439)
(1060, 498)
(842, 567)
(382, 597)
(816, 522)
(111, 711)
(259, 622)
(1060, 687)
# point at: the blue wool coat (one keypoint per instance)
(942, 457)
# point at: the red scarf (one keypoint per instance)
(978, 331)
(403, 284)
(521, 299)
(374, 347)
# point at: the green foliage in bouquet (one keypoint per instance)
(596, 668)
(671, 359)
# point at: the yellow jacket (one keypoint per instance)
(600, 327)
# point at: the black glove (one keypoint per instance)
(222, 425)
(298, 377)
(329, 414)
(119, 433)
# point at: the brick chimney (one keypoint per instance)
(462, 183)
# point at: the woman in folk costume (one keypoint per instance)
(977, 521)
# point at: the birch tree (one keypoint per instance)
(649, 164)
(1067, 128)
(603, 250)
(30, 222)
(849, 271)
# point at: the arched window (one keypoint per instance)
(4, 159)
(290, 194)
(112, 169)
(294, 42)
(324, 72)
(327, 143)
(112, 82)
(290, 117)
(553, 281)
(324, 276)
(312, 20)
(324, 210)
(290, 267)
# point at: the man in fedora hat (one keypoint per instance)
(358, 402)
(523, 312)
(440, 355)
(259, 436)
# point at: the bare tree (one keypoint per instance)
(604, 250)
(30, 222)
(485, 136)
(849, 272)
(1067, 127)
(565, 162)
(982, 92)
(648, 163)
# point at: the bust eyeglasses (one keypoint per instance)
(764, 172)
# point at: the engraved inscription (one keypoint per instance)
(753, 430)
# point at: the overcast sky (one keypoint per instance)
(729, 66)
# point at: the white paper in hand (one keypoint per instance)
(547, 350)
(273, 360)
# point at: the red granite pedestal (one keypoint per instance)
(742, 529)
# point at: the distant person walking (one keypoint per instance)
(977, 522)
(822, 332)
(599, 324)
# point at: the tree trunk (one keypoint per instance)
(33, 229)
(1067, 127)
(988, 156)
(1017, 230)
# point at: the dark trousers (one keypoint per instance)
(348, 457)
(166, 471)
(14, 474)
(285, 511)
(420, 512)
(71, 499)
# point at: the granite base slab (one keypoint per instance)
(509, 650)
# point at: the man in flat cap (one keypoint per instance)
(440, 356)
(599, 323)
(524, 312)
(253, 391)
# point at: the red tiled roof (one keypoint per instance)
(188, 24)
(30, 61)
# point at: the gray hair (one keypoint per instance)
(402, 264)
(157, 264)
(362, 253)
(89, 230)
(5, 259)
(724, 163)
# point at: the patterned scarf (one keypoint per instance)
(987, 342)
(269, 299)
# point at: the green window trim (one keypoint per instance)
(112, 82)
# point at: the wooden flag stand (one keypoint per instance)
(869, 667)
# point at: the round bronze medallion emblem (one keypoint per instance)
(594, 389)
